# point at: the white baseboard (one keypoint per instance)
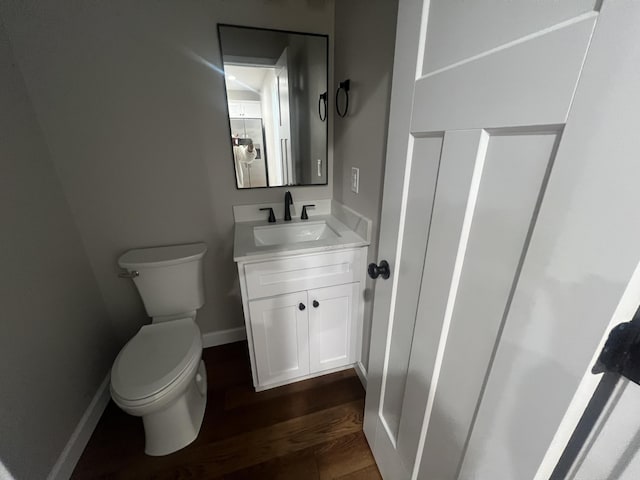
(303, 377)
(362, 373)
(213, 339)
(72, 451)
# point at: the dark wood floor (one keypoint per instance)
(307, 430)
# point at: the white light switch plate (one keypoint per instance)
(355, 179)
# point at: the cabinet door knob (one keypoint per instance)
(301, 306)
(316, 304)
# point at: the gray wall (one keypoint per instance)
(242, 44)
(307, 80)
(136, 122)
(365, 40)
(56, 342)
(315, 83)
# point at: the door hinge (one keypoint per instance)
(621, 352)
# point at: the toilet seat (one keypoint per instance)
(155, 360)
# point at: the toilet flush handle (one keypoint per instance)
(131, 274)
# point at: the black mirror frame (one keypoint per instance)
(326, 123)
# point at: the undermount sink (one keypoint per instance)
(292, 233)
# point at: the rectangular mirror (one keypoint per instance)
(276, 85)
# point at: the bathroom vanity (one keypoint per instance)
(302, 285)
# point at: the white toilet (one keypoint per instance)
(159, 375)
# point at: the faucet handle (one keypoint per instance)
(272, 216)
(304, 215)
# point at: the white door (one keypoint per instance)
(332, 326)
(509, 224)
(607, 444)
(611, 448)
(280, 337)
(284, 117)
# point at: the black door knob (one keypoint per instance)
(316, 304)
(301, 306)
(382, 270)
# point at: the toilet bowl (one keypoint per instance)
(159, 374)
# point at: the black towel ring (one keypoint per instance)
(322, 101)
(343, 86)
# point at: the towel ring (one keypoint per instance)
(343, 86)
(322, 101)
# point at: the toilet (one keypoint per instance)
(159, 374)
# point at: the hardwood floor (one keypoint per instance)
(307, 430)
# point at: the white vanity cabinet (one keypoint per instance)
(303, 314)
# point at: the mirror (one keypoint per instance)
(276, 85)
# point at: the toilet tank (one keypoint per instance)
(170, 279)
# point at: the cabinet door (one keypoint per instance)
(252, 109)
(333, 313)
(235, 109)
(280, 337)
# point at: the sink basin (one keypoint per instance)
(292, 233)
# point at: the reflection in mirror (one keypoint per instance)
(276, 82)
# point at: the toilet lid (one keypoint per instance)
(155, 357)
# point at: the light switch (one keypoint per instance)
(355, 179)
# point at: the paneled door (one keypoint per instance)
(510, 224)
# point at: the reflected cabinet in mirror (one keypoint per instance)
(276, 85)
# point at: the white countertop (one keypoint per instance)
(245, 248)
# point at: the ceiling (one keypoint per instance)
(246, 78)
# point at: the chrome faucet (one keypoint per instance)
(288, 201)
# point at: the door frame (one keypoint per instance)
(587, 390)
